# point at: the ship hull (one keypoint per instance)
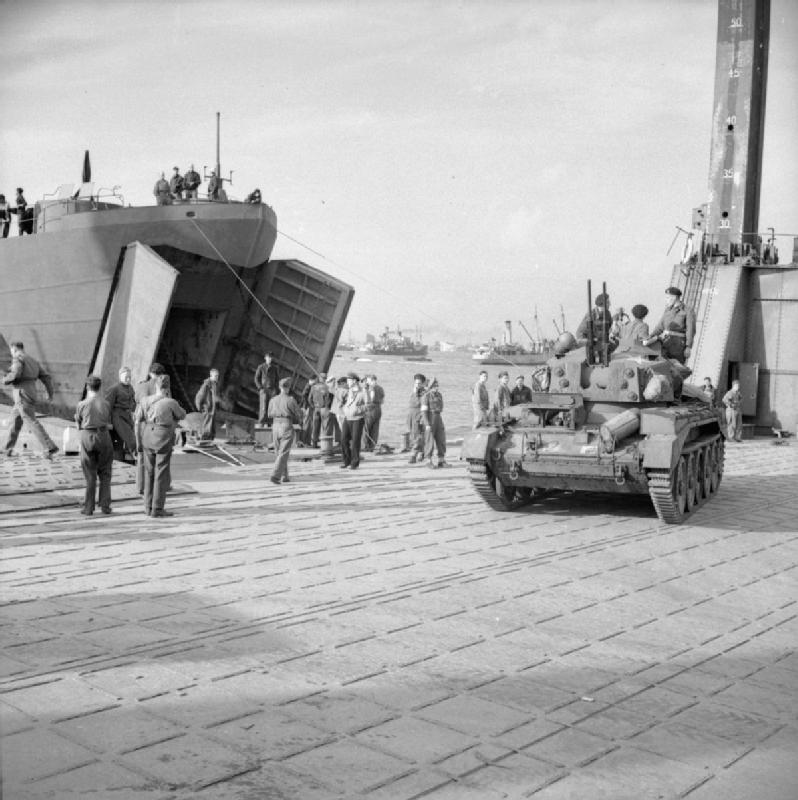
(524, 359)
(86, 295)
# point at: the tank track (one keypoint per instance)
(668, 502)
(484, 482)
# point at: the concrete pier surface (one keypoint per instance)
(384, 634)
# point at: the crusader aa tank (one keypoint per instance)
(620, 422)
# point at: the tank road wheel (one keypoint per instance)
(668, 492)
(705, 474)
(692, 495)
(716, 459)
(499, 496)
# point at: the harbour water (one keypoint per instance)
(456, 373)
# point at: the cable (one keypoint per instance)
(253, 296)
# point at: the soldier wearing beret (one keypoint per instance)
(285, 413)
(676, 329)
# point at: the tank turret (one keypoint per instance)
(610, 420)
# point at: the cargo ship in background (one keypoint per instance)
(395, 343)
(510, 353)
(191, 285)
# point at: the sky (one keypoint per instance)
(459, 163)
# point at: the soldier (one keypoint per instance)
(354, 409)
(161, 191)
(375, 397)
(93, 418)
(207, 402)
(213, 186)
(144, 388)
(267, 378)
(191, 181)
(435, 431)
(319, 400)
(156, 420)
(121, 398)
(676, 328)
(285, 413)
(709, 390)
(480, 400)
(415, 420)
(602, 326)
(176, 185)
(734, 415)
(22, 376)
(21, 208)
(520, 393)
(633, 332)
(5, 216)
(502, 398)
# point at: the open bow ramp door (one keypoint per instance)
(137, 313)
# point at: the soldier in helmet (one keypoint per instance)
(602, 325)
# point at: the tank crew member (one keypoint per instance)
(354, 409)
(635, 331)
(214, 186)
(176, 184)
(520, 393)
(435, 431)
(734, 415)
(22, 376)
(375, 397)
(254, 197)
(709, 391)
(285, 413)
(161, 191)
(93, 418)
(480, 400)
(191, 181)
(121, 398)
(676, 329)
(502, 398)
(267, 378)
(5, 216)
(319, 400)
(156, 420)
(602, 326)
(207, 403)
(415, 420)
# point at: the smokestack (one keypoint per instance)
(508, 332)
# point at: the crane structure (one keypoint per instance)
(743, 298)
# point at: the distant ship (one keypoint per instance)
(100, 284)
(394, 343)
(511, 353)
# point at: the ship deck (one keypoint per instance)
(384, 634)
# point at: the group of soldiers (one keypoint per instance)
(20, 208)
(675, 330)
(183, 187)
(427, 433)
(489, 410)
(141, 421)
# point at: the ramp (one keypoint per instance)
(720, 296)
(135, 321)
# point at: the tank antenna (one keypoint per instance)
(604, 340)
(590, 355)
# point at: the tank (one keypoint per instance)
(622, 422)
